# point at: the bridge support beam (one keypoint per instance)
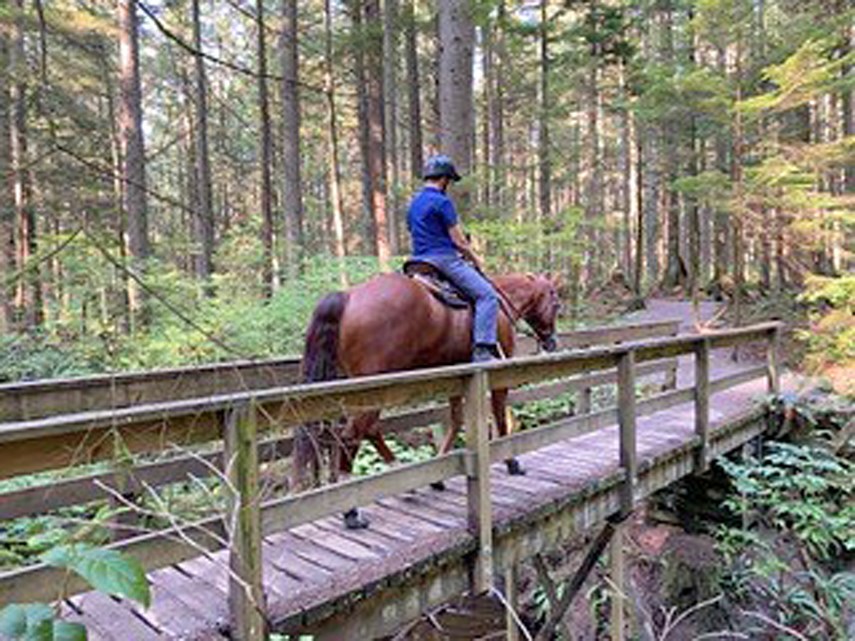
(479, 509)
(626, 422)
(246, 592)
(702, 405)
(617, 583)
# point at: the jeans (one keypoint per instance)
(476, 287)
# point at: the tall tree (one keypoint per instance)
(497, 108)
(543, 152)
(414, 108)
(332, 142)
(292, 189)
(203, 220)
(133, 153)
(356, 9)
(594, 205)
(7, 188)
(266, 142)
(456, 108)
(376, 139)
(390, 90)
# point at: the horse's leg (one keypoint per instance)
(358, 429)
(499, 400)
(456, 406)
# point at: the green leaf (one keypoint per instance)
(108, 571)
(36, 622)
(67, 631)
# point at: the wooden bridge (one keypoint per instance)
(286, 562)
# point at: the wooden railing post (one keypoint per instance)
(584, 399)
(626, 421)
(479, 512)
(617, 578)
(240, 459)
(702, 404)
(773, 375)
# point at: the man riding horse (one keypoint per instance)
(393, 323)
(439, 240)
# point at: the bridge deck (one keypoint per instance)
(311, 567)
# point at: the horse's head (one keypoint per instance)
(543, 307)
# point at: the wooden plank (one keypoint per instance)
(626, 422)
(617, 587)
(115, 618)
(702, 405)
(738, 378)
(773, 348)
(479, 510)
(539, 437)
(36, 399)
(246, 589)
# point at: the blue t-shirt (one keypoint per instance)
(429, 218)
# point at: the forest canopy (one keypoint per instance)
(186, 177)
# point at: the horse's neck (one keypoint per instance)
(518, 288)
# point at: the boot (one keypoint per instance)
(484, 353)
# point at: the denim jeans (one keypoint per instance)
(475, 287)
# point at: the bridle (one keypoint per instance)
(548, 342)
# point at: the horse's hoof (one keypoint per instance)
(439, 486)
(353, 521)
(514, 467)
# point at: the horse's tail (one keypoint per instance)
(320, 355)
(320, 363)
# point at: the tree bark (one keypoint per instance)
(292, 187)
(390, 90)
(543, 155)
(594, 205)
(269, 266)
(721, 219)
(203, 222)
(332, 141)
(414, 109)
(376, 137)
(7, 209)
(133, 155)
(456, 108)
(356, 8)
(497, 111)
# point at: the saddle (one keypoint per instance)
(436, 283)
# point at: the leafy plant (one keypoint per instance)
(792, 560)
(108, 571)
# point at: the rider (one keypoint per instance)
(439, 240)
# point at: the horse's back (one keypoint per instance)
(392, 323)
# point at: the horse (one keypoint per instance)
(393, 323)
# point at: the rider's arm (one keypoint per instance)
(459, 239)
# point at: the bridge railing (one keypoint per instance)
(247, 521)
(95, 397)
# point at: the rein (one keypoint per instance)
(514, 314)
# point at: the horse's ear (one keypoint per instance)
(530, 276)
(557, 281)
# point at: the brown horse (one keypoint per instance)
(392, 323)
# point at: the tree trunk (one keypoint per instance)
(414, 109)
(721, 220)
(268, 268)
(376, 143)
(332, 140)
(497, 111)
(133, 155)
(626, 165)
(543, 155)
(390, 89)
(594, 205)
(356, 15)
(203, 223)
(675, 271)
(292, 188)
(456, 108)
(7, 209)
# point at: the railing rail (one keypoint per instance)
(38, 399)
(243, 413)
